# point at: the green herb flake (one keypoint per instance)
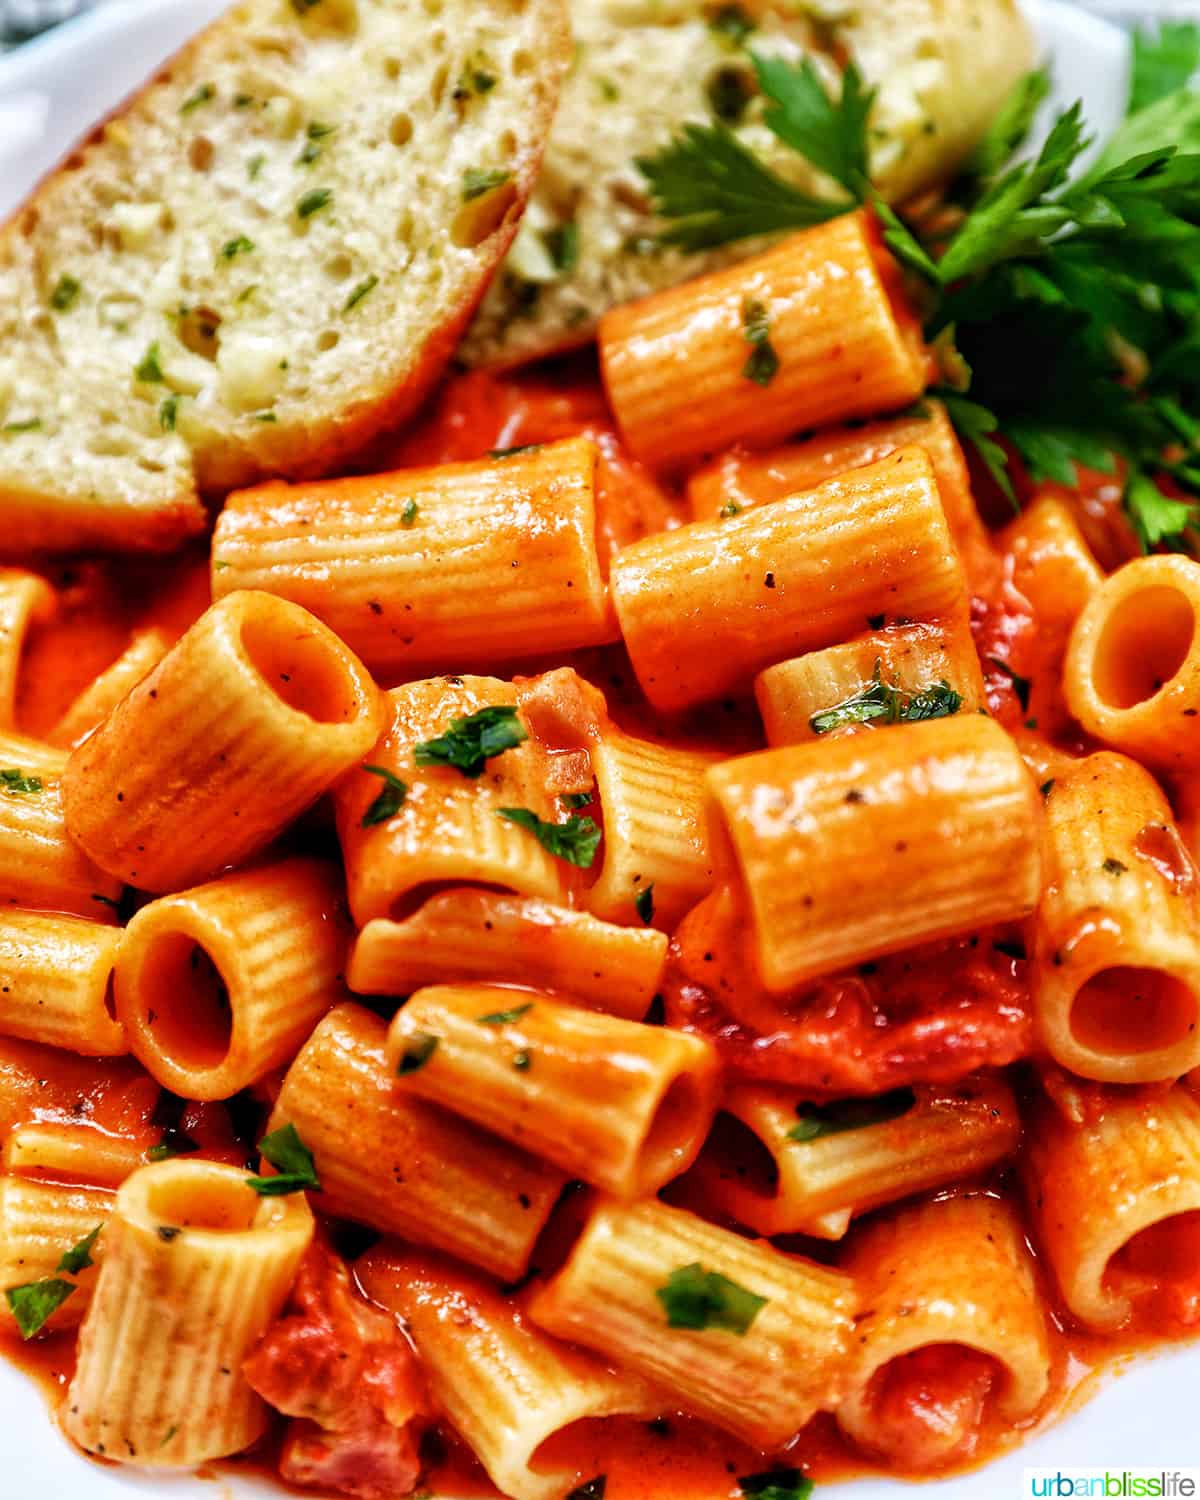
(1047, 787)
(575, 841)
(1022, 686)
(522, 1061)
(889, 704)
(150, 370)
(408, 516)
(254, 166)
(1113, 867)
(644, 904)
(79, 1257)
(776, 1484)
(32, 424)
(699, 1299)
(17, 784)
(168, 413)
(297, 1171)
(477, 181)
(817, 1120)
(763, 364)
(231, 249)
(313, 202)
(509, 452)
(562, 244)
(472, 741)
(731, 24)
(505, 1017)
(417, 1052)
(203, 95)
(32, 1304)
(171, 1431)
(575, 800)
(730, 509)
(360, 293)
(390, 800)
(65, 294)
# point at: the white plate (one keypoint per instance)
(50, 93)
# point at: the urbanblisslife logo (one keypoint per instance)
(1112, 1484)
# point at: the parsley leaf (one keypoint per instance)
(505, 1017)
(408, 516)
(763, 363)
(1022, 686)
(390, 800)
(576, 840)
(17, 784)
(476, 182)
(776, 1484)
(235, 247)
(975, 425)
(297, 1171)
(79, 1257)
(36, 1301)
(362, 291)
(314, 202)
(644, 903)
(65, 294)
(417, 1053)
(1156, 518)
(833, 137)
(889, 702)
(1010, 128)
(817, 1120)
(150, 370)
(472, 741)
(732, 23)
(1163, 62)
(699, 1299)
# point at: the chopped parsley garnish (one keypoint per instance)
(732, 24)
(360, 293)
(231, 249)
(817, 1120)
(150, 370)
(254, 166)
(417, 1052)
(314, 202)
(297, 1171)
(776, 1484)
(700, 1299)
(408, 516)
(508, 452)
(390, 800)
(644, 903)
(1047, 787)
(1113, 867)
(316, 135)
(31, 424)
(505, 1017)
(36, 1301)
(576, 840)
(168, 413)
(472, 741)
(17, 784)
(576, 800)
(1064, 304)
(562, 243)
(79, 1257)
(763, 364)
(476, 182)
(65, 294)
(203, 94)
(889, 703)
(729, 509)
(168, 1116)
(1022, 686)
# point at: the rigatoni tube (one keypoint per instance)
(39, 1223)
(195, 1267)
(706, 606)
(427, 568)
(1115, 1202)
(840, 847)
(623, 1106)
(218, 985)
(467, 934)
(954, 1326)
(736, 1332)
(25, 600)
(811, 331)
(56, 982)
(144, 652)
(42, 868)
(1117, 935)
(506, 1387)
(404, 1166)
(251, 716)
(1132, 670)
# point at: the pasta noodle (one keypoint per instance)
(195, 1267)
(607, 1298)
(1117, 938)
(467, 934)
(824, 561)
(680, 366)
(507, 1388)
(620, 1105)
(806, 824)
(404, 1166)
(422, 568)
(41, 866)
(52, 1151)
(255, 713)
(39, 1223)
(25, 600)
(218, 985)
(144, 652)
(56, 982)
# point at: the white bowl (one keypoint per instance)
(51, 92)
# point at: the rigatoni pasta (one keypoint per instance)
(25, 600)
(706, 606)
(40, 1222)
(620, 1105)
(42, 868)
(144, 652)
(56, 982)
(419, 569)
(809, 332)
(243, 724)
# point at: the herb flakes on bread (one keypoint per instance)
(264, 259)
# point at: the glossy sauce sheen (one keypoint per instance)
(833, 1045)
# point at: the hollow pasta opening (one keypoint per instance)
(735, 1153)
(303, 670)
(672, 1137)
(928, 1407)
(1159, 1270)
(1127, 1009)
(1144, 642)
(185, 1002)
(201, 1200)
